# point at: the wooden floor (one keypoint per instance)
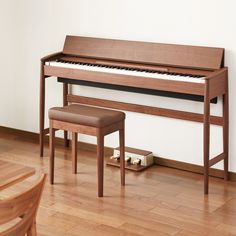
(159, 201)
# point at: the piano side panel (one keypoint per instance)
(132, 81)
(218, 83)
(146, 53)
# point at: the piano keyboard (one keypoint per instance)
(127, 71)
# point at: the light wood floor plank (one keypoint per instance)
(159, 201)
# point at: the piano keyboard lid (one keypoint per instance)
(195, 57)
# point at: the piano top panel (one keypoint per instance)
(195, 57)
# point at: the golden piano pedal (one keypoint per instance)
(135, 159)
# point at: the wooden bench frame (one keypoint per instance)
(100, 133)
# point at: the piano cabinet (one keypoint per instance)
(186, 72)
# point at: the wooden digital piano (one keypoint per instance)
(183, 72)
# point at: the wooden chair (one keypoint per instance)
(92, 121)
(24, 207)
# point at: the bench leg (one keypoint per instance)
(74, 152)
(100, 162)
(52, 152)
(66, 140)
(122, 155)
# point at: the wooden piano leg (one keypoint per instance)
(65, 103)
(206, 142)
(100, 162)
(226, 133)
(41, 111)
(122, 154)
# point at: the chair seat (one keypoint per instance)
(86, 115)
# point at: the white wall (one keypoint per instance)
(31, 29)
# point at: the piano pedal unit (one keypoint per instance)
(135, 159)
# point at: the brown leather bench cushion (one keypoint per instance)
(86, 115)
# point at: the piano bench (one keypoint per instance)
(91, 121)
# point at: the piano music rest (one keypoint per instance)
(91, 121)
(180, 71)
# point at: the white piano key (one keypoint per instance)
(123, 71)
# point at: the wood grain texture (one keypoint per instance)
(166, 162)
(145, 52)
(21, 208)
(218, 82)
(191, 167)
(41, 108)
(122, 154)
(226, 129)
(100, 162)
(126, 80)
(77, 128)
(11, 173)
(216, 159)
(52, 56)
(159, 201)
(206, 136)
(65, 103)
(176, 114)
(52, 152)
(166, 56)
(74, 152)
(100, 133)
